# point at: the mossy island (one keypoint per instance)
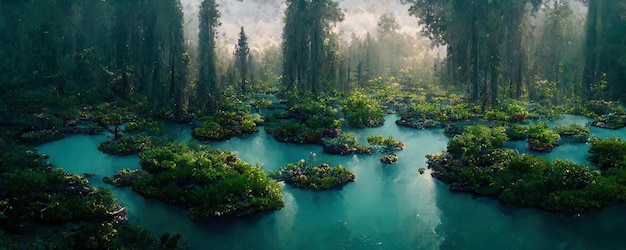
(207, 181)
(477, 162)
(316, 177)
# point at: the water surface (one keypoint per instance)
(388, 207)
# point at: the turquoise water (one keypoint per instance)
(576, 152)
(388, 207)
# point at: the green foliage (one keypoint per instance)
(346, 143)
(362, 111)
(524, 180)
(476, 144)
(316, 177)
(46, 195)
(389, 144)
(307, 121)
(577, 132)
(517, 132)
(608, 153)
(508, 111)
(125, 145)
(389, 159)
(596, 108)
(439, 112)
(476, 162)
(540, 138)
(546, 91)
(209, 182)
(431, 114)
(611, 121)
(232, 118)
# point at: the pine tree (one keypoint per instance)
(207, 91)
(242, 52)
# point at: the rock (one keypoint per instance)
(389, 159)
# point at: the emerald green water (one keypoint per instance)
(388, 207)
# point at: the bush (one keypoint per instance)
(517, 132)
(52, 196)
(361, 111)
(577, 132)
(389, 144)
(508, 111)
(346, 143)
(476, 144)
(306, 122)
(608, 153)
(540, 138)
(209, 182)
(316, 177)
(125, 145)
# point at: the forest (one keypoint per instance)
(491, 73)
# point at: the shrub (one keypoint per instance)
(346, 143)
(540, 138)
(389, 144)
(316, 177)
(517, 132)
(210, 182)
(125, 145)
(361, 111)
(476, 144)
(577, 132)
(608, 153)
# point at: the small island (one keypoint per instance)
(388, 146)
(477, 162)
(209, 182)
(316, 177)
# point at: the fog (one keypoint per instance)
(263, 20)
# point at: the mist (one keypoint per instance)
(263, 20)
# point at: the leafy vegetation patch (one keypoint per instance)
(517, 132)
(125, 145)
(608, 153)
(388, 144)
(508, 111)
(316, 177)
(542, 139)
(615, 120)
(361, 111)
(476, 162)
(233, 118)
(45, 207)
(432, 114)
(306, 122)
(209, 182)
(576, 132)
(346, 143)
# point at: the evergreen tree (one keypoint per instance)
(306, 32)
(207, 90)
(242, 53)
(605, 64)
(474, 32)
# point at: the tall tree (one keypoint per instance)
(242, 53)
(305, 42)
(605, 63)
(474, 32)
(207, 91)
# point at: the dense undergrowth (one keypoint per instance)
(36, 197)
(477, 162)
(207, 181)
(316, 177)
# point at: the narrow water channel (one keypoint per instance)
(388, 207)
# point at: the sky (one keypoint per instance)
(263, 19)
